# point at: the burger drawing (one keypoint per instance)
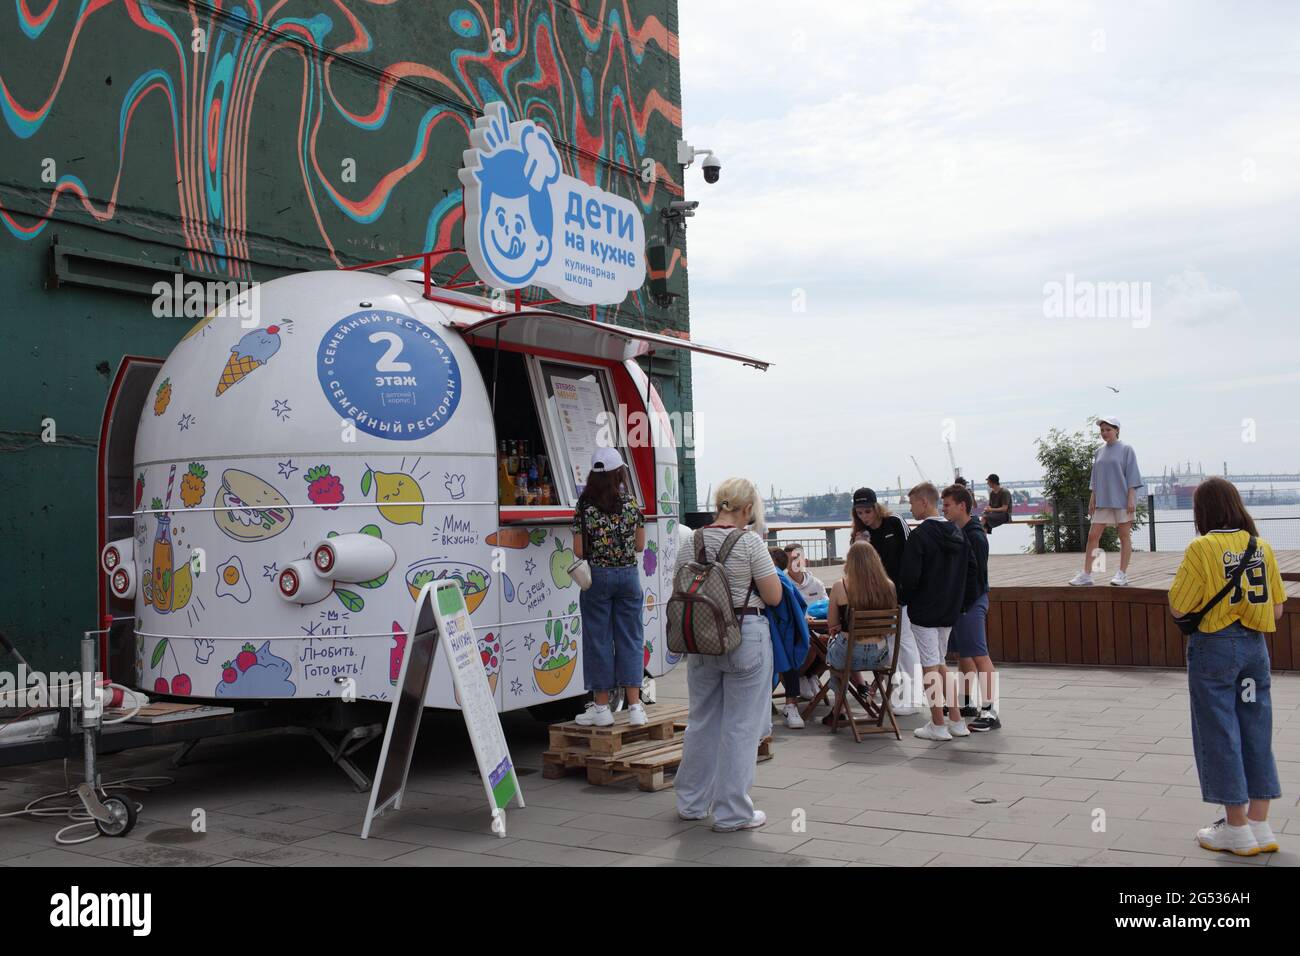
(248, 509)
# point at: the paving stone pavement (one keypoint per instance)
(1079, 748)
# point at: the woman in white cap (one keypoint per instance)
(609, 532)
(1115, 481)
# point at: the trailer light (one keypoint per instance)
(353, 558)
(298, 585)
(122, 581)
(115, 553)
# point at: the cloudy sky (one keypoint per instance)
(903, 184)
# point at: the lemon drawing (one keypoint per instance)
(398, 495)
(182, 586)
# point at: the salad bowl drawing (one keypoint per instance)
(473, 580)
(553, 667)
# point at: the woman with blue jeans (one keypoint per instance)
(1228, 668)
(609, 531)
(730, 694)
(864, 586)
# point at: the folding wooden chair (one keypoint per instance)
(866, 627)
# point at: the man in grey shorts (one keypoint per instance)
(1115, 481)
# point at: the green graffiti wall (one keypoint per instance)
(246, 140)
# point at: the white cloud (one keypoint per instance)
(920, 171)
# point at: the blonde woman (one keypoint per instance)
(866, 587)
(730, 694)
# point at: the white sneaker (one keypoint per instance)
(596, 715)
(1264, 836)
(958, 728)
(931, 731)
(758, 820)
(636, 715)
(808, 687)
(1081, 580)
(1120, 579)
(906, 711)
(792, 718)
(1220, 836)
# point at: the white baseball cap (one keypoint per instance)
(1108, 421)
(606, 459)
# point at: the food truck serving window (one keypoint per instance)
(581, 415)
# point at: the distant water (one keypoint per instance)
(1278, 524)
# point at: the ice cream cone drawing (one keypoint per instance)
(253, 350)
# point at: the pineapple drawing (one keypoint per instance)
(163, 397)
(193, 486)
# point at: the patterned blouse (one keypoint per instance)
(609, 541)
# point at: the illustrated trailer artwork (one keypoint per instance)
(395, 472)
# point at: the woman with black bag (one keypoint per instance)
(1228, 588)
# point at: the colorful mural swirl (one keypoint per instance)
(323, 132)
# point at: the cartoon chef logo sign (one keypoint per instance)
(527, 223)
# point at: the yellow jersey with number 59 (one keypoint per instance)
(1209, 563)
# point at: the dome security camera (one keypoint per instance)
(712, 168)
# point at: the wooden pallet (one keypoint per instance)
(650, 763)
(571, 736)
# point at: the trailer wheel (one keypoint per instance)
(123, 811)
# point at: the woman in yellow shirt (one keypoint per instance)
(1228, 668)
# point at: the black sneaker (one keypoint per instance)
(969, 710)
(988, 720)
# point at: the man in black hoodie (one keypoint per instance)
(937, 582)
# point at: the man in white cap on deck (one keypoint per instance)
(1115, 481)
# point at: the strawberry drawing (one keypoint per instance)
(228, 673)
(246, 658)
(139, 490)
(323, 488)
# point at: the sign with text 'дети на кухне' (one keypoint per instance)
(527, 223)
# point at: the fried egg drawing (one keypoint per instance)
(232, 582)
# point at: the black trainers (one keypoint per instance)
(969, 710)
(988, 720)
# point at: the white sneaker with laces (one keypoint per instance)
(808, 687)
(1264, 836)
(636, 715)
(758, 820)
(1228, 839)
(958, 728)
(596, 715)
(932, 731)
(1081, 580)
(906, 711)
(1120, 579)
(792, 718)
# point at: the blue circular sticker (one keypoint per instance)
(392, 375)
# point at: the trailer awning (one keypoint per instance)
(578, 336)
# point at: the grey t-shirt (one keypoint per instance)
(1114, 472)
(749, 561)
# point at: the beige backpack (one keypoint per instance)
(701, 618)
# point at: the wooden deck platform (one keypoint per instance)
(1035, 617)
